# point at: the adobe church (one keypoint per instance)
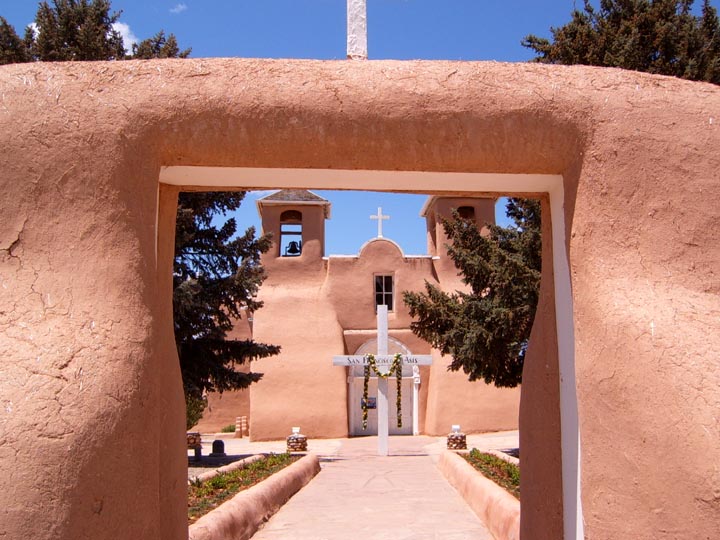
(317, 306)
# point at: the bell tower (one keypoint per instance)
(481, 210)
(296, 219)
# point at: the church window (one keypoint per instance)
(384, 291)
(290, 233)
(466, 212)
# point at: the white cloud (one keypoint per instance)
(35, 29)
(129, 39)
(179, 8)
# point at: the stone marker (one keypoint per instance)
(194, 442)
(456, 440)
(218, 449)
(297, 442)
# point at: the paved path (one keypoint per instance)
(359, 495)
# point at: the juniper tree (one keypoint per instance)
(76, 30)
(215, 278)
(654, 36)
(69, 30)
(13, 50)
(486, 330)
(159, 46)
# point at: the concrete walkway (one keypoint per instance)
(359, 495)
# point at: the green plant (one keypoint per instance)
(216, 276)
(218, 482)
(194, 407)
(654, 36)
(230, 428)
(486, 329)
(396, 369)
(205, 496)
(503, 473)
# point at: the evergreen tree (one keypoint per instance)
(159, 46)
(654, 36)
(487, 329)
(71, 30)
(77, 30)
(12, 48)
(215, 278)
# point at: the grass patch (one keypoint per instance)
(505, 474)
(206, 496)
(230, 428)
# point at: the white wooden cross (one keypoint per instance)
(379, 217)
(383, 360)
(357, 29)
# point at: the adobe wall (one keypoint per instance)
(476, 406)
(350, 285)
(299, 386)
(298, 383)
(92, 422)
(223, 410)
(541, 496)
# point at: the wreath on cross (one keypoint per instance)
(395, 369)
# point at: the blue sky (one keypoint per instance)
(397, 29)
(400, 29)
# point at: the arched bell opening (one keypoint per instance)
(291, 233)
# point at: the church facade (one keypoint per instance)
(317, 306)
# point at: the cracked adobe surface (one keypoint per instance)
(91, 442)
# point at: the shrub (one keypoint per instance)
(205, 496)
(498, 470)
(194, 408)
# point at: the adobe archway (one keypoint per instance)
(92, 415)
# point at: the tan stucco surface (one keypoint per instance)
(91, 421)
(542, 491)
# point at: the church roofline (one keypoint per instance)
(293, 197)
(288, 195)
(380, 239)
(356, 256)
(433, 198)
(428, 203)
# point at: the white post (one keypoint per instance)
(357, 29)
(382, 400)
(416, 400)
